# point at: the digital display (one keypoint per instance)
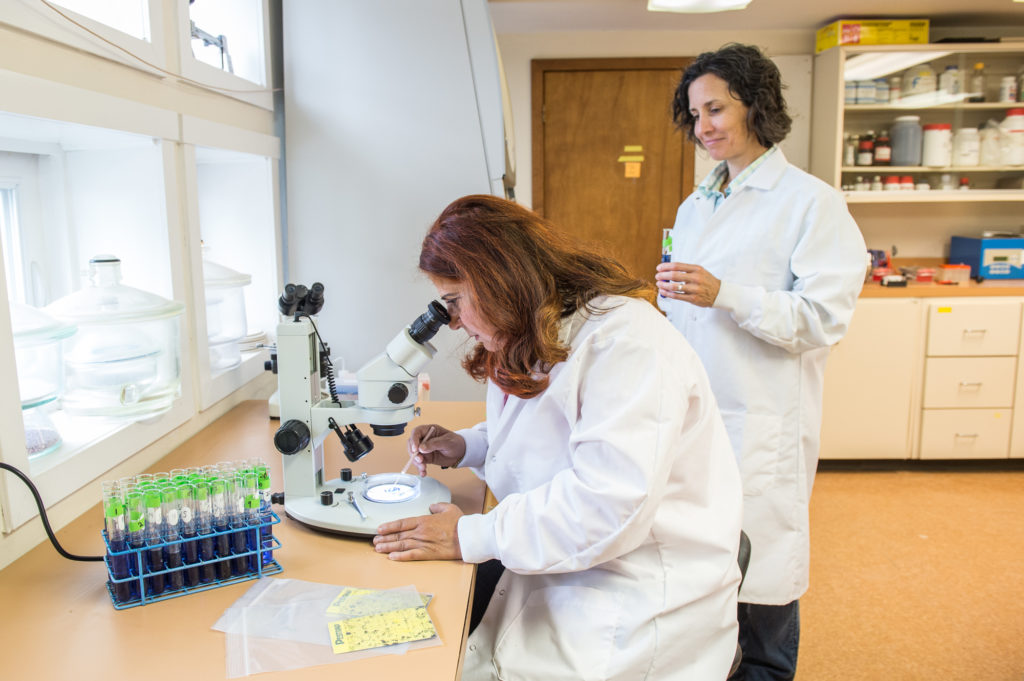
(1000, 258)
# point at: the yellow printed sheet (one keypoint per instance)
(381, 629)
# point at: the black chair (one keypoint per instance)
(744, 560)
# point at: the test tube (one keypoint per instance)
(220, 501)
(251, 501)
(171, 534)
(240, 564)
(204, 522)
(187, 505)
(153, 530)
(117, 540)
(266, 536)
(136, 508)
(666, 249)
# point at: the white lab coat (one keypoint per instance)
(791, 262)
(619, 514)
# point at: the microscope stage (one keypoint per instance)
(381, 498)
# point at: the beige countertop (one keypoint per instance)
(60, 623)
(989, 287)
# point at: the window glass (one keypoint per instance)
(228, 34)
(127, 16)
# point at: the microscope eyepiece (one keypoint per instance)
(427, 324)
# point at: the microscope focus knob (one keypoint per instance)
(398, 393)
(292, 437)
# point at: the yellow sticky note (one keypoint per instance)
(382, 629)
(632, 170)
(631, 159)
(633, 147)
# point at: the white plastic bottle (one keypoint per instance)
(949, 81)
(919, 80)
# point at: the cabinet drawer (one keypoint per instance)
(951, 382)
(965, 433)
(974, 328)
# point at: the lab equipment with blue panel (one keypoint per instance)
(990, 257)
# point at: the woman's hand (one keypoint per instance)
(689, 283)
(436, 445)
(425, 537)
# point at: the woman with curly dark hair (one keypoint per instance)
(616, 530)
(766, 268)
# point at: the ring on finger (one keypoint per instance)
(679, 288)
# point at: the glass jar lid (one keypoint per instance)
(106, 300)
(32, 326)
(219, 276)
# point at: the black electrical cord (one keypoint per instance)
(331, 381)
(42, 515)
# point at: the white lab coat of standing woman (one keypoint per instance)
(791, 264)
(766, 267)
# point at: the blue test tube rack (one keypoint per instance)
(259, 559)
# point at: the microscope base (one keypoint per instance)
(341, 516)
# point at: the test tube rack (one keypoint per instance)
(146, 583)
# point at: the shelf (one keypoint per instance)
(934, 196)
(931, 169)
(916, 106)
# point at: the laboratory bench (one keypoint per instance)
(60, 622)
(989, 287)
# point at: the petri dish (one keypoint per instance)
(391, 488)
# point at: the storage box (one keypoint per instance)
(872, 32)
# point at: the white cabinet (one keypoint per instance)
(833, 118)
(965, 433)
(970, 378)
(926, 378)
(871, 383)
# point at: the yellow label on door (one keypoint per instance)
(630, 159)
(945, 310)
(633, 169)
(633, 147)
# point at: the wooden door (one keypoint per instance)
(609, 165)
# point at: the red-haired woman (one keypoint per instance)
(619, 497)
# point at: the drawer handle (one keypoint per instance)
(966, 435)
(974, 331)
(970, 384)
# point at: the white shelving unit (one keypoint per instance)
(833, 119)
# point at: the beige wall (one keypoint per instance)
(518, 49)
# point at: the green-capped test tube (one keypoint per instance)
(187, 505)
(204, 525)
(171, 507)
(135, 505)
(115, 523)
(251, 501)
(154, 539)
(240, 563)
(220, 498)
(266, 535)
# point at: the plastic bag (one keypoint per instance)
(282, 624)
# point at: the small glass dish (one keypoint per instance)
(391, 488)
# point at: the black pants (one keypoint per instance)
(487, 576)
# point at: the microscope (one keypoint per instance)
(386, 399)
